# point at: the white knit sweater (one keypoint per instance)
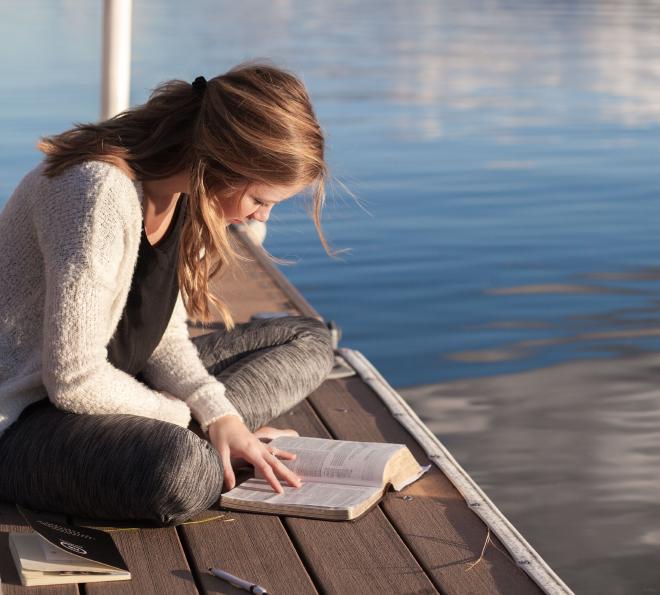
(68, 247)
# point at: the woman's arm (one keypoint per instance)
(175, 367)
(82, 232)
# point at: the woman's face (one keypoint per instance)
(257, 202)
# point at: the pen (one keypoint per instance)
(238, 582)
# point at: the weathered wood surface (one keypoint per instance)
(446, 537)
(425, 544)
(365, 555)
(154, 556)
(247, 545)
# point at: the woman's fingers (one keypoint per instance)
(269, 476)
(285, 454)
(270, 465)
(284, 472)
(232, 438)
(228, 477)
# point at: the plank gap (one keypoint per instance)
(406, 544)
(300, 550)
(190, 558)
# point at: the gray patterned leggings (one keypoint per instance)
(127, 467)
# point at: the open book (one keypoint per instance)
(58, 553)
(341, 479)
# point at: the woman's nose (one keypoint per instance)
(261, 214)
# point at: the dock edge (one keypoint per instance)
(522, 552)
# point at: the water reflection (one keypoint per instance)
(539, 64)
(594, 328)
(575, 445)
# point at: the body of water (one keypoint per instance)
(504, 266)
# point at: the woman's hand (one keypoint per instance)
(230, 436)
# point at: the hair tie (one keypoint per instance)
(199, 86)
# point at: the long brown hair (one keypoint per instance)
(252, 125)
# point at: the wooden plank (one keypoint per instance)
(436, 524)
(154, 556)
(262, 262)
(251, 546)
(361, 556)
(250, 289)
(11, 521)
(253, 286)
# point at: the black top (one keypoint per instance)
(151, 298)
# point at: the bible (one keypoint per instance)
(341, 479)
(59, 553)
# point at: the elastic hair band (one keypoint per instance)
(199, 86)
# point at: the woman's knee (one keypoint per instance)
(316, 342)
(309, 363)
(186, 480)
(110, 467)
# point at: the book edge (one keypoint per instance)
(31, 577)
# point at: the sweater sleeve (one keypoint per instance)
(82, 232)
(175, 366)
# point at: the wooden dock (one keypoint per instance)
(422, 540)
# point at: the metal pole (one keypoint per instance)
(116, 73)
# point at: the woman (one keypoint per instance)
(106, 247)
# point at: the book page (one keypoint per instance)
(399, 485)
(336, 461)
(332, 496)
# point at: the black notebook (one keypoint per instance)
(58, 553)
